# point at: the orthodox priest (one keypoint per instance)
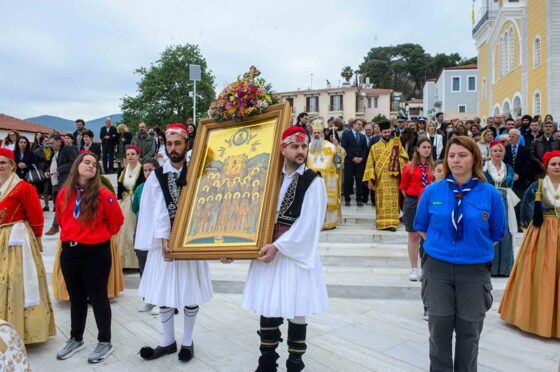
(287, 281)
(382, 173)
(172, 285)
(321, 158)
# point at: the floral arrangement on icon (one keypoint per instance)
(247, 96)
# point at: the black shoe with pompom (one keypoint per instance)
(186, 353)
(149, 353)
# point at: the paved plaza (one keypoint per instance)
(374, 322)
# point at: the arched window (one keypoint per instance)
(502, 54)
(506, 53)
(511, 51)
(537, 104)
(537, 52)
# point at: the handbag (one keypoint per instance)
(34, 175)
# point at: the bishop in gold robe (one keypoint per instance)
(322, 158)
(384, 165)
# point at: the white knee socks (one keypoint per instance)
(166, 317)
(188, 326)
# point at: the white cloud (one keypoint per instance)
(77, 58)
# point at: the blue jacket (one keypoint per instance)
(484, 222)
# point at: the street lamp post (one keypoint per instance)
(194, 74)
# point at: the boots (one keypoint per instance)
(270, 338)
(296, 346)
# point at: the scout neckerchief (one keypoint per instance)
(460, 192)
(79, 191)
(423, 167)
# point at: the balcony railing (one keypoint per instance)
(309, 108)
(336, 108)
(487, 15)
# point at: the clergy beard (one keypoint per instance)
(316, 145)
(386, 138)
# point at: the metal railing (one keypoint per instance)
(487, 15)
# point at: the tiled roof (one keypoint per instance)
(11, 123)
(465, 67)
(377, 91)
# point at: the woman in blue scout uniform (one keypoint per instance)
(460, 218)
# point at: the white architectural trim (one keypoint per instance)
(496, 108)
(534, 54)
(506, 100)
(553, 57)
(525, 61)
(517, 95)
(535, 92)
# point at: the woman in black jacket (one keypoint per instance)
(24, 157)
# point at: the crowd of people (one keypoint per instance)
(494, 180)
(461, 191)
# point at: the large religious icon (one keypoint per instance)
(228, 207)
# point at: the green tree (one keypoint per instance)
(163, 89)
(379, 118)
(347, 73)
(405, 67)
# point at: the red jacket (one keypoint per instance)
(108, 220)
(23, 204)
(411, 180)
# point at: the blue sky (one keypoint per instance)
(77, 58)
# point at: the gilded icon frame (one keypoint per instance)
(226, 183)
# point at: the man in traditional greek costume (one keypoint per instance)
(171, 285)
(286, 281)
(383, 169)
(321, 159)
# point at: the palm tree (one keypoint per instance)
(347, 73)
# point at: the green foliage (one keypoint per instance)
(406, 67)
(379, 118)
(347, 73)
(163, 89)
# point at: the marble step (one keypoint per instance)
(343, 282)
(361, 234)
(364, 255)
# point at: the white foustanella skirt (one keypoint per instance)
(175, 283)
(284, 289)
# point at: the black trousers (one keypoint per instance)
(458, 297)
(86, 272)
(353, 172)
(54, 196)
(108, 158)
(368, 194)
(142, 256)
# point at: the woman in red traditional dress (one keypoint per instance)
(24, 295)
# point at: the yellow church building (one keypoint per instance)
(518, 46)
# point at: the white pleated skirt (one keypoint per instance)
(175, 283)
(281, 288)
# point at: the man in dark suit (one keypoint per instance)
(542, 145)
(61, 162)
(108, 137)
(354, 143)
(79, 134)
(370, 141)
(519, 157)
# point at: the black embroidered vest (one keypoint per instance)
(290, 209)
(171, 184)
